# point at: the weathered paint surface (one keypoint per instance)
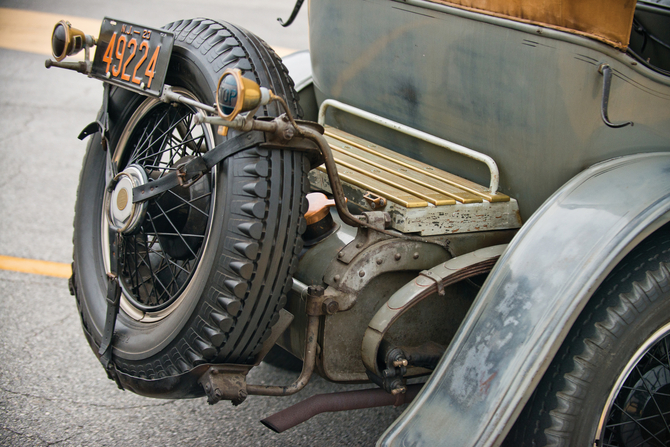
(528, 99)
(531, 299)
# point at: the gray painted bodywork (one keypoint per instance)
(527, 96)
(531, 299)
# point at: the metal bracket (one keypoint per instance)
(438, 280)
(225, 382)
(366, 237)
(294, 14)
(374, 201)
(606, 71)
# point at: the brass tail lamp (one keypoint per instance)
(68, 41)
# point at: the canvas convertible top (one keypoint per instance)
(608, 21)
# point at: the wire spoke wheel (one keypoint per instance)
(609, 383)
(638, 409)
(160, 256)
(204, 267)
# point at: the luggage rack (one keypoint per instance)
(420, 198)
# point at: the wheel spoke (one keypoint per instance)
(145, 142)
(653, 398)
(636, 422)
(642, 419)
(175, 228)
(162, 137)
(187, 202)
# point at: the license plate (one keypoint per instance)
(132, 56)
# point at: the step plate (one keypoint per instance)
(420, 198)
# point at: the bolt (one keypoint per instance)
(361, 273)
(397, 256)
(399, 390)
(218, 394)
(330, 306)
(208, 388)
(336, 278)
(379, 261)
(288, 133)
(340, 254)
(399, 363)
(416, 255)
(359, 245)
(143, 85)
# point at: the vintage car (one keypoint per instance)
(464, 203)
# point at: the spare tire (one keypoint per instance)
(206, 271)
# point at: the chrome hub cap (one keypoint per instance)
(124, 215)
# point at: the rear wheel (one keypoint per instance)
(609, 384)
(204, 270)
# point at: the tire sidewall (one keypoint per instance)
(612, 361)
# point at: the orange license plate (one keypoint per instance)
(132, 56)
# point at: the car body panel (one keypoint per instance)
(529, 97)
(530, 300)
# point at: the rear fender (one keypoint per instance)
(531, 299)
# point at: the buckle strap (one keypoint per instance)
(113, 299)
(194, 169)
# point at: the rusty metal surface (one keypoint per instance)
(391, 255)
(422, 286)
(348, 400)
(436, 318)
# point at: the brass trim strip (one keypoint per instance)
(487, 196)
(395, 185)
(454, 195)
(383, 192)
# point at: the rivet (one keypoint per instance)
(361, 273)
(340, 254)
(379, 261)
(416, 255)
(336, 278)
(397, 256)
(359, 245)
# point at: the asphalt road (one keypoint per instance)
(52, 389)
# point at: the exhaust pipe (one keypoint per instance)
(348, 400)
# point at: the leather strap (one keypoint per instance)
(195, 168)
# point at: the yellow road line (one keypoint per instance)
(37, 267)
(30, 31)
